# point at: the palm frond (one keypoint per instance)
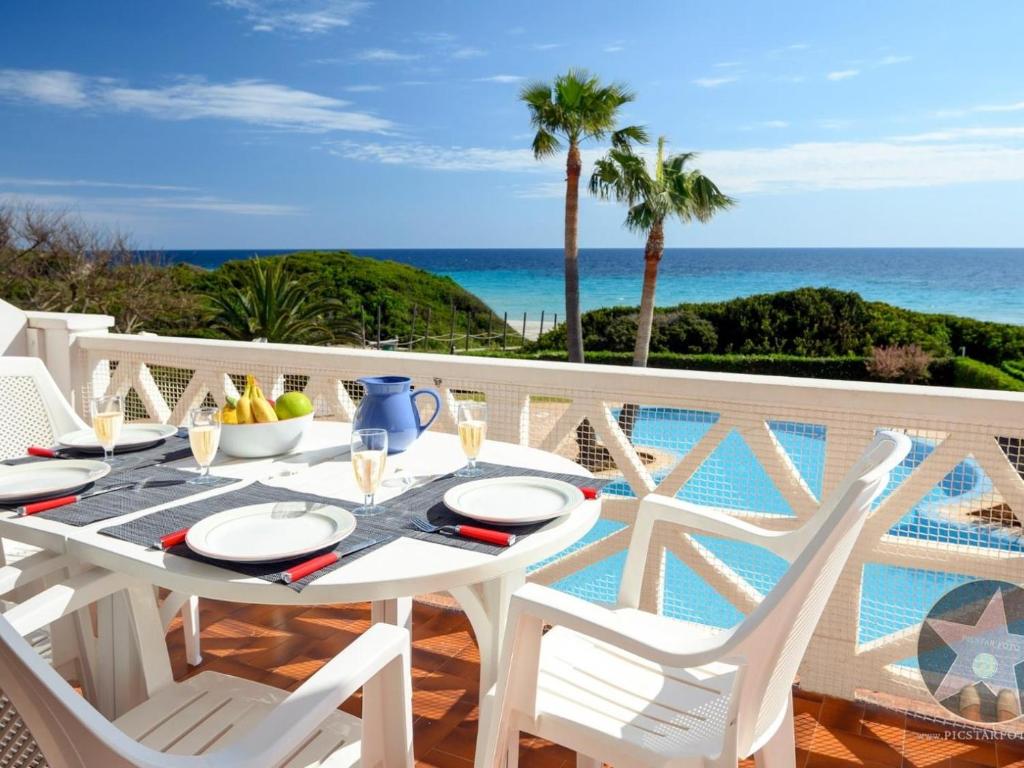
(545, 144)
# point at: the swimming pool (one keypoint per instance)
(733, 478)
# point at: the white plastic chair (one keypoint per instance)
(210, 720)
(632, 688)
(34, 412)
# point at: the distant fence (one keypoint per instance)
(463, 335)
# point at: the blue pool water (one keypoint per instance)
(733, 478)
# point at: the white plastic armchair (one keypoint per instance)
(34, 412)
(632, 688)
(210, 720)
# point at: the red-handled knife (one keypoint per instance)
(590, 493)
(172, 539)
(42, 506)
(44, 453)
(302, 570)
(500, 538)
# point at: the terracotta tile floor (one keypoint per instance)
(284, 646)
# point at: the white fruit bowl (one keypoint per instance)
(257, 441)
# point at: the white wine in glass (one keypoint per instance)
(107, 419)
(472, 433)
(369, 459)
(204, 439)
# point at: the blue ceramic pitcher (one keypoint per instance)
(389, 404)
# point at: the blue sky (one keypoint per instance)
(334, 123)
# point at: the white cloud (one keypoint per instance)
(809, 166)
(545, 46)
(727, 64)
(386, 54)
(616, 47)
(468, 52)
(108, 206)
(714, 82)
(364, 88)
(1017, 106)
(887, 61)
(437, 158)
(843, 74)
(17, 181)
(307, 17)
(256, 102)
(500, 79)
(956, 134)
(774, 124)
(54, 87)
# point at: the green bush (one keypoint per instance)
(808, 322)
(978, 375)
(1014, 368)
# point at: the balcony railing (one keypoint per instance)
(762, 448)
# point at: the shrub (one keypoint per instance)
(909, 364)
(1014, 368)
(818, 322)
(978, 375)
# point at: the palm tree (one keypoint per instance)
(673, 190)
(269, 305)
(574, 109)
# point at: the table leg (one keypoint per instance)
(486, 607)
(379, 714)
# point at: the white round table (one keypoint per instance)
(389, 576)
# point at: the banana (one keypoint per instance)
(243, 407)
(262, 410)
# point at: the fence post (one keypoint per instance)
(451, 336)
(469, 328)
(378, 326)
(426, 329)
(362, 325)
(554, 323)
(524, 327)
(412, 336)
(490, 326)
(504, 332)
(541, 331)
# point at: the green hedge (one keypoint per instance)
(978, 375)
(807, 322)
(1014, 368)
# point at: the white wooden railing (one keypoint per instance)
(705, 433)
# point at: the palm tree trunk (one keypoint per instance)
(652, 257)
(573, 326)
(653, 252)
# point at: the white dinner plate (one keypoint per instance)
(46, 479)
(513, 500)
(133, 437)
(263, 533)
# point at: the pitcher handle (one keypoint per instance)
(437, 407)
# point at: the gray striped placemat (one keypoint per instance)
(172, 450)
(148, 529)
(385, 527)
(151, 486)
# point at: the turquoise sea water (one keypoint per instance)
(977, 282)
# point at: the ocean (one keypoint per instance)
(983, 283)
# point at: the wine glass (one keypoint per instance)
(204, 438)
(472, 432)
(107, 419)
(369, 457)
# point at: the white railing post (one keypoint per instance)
(51, 336)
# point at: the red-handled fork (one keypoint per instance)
(499, 538)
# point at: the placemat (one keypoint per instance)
(151, 486)
(148, 529)
(385, 527)
(428, 501)
(170, 451)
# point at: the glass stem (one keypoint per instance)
(108, 454)
(471, 464)
(368, 500)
